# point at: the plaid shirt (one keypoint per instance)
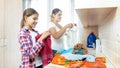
(27, 49)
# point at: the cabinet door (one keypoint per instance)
(1, 22)
(1, 32)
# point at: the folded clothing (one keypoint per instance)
(71, 56)
(62, 51)
(86, 64)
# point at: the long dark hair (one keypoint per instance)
(54, 11)
(27, 12)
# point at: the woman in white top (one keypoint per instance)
(56, 30)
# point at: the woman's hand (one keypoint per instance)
(44, 35)
(70, 25)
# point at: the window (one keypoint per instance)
(65, 6)
(44, 8)
(41, 6)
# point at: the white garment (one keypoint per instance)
(37, 58)
(57, 44)
(71, 56)
(71, 37)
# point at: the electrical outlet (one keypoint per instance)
(118, 37)
(1, 42)
(5, 42)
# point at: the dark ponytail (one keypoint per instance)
(54, 11)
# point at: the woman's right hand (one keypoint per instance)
(44, 35)
(70, 25)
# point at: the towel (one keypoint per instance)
(46, 51)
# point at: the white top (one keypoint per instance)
(57, 44)
(37, 58)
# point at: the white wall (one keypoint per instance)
(10, 16)
(110, 39)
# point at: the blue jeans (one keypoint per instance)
(54, 51)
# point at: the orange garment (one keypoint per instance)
(85, 64)
(60, 60)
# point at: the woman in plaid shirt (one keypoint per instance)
(28, 46)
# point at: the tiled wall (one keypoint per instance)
(110, 39)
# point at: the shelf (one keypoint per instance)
(96, 16)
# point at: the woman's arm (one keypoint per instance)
(58, 34)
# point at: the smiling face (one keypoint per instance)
(31, 21)
(57, 17)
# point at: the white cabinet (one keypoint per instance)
(10, 17)
(96, 12)
(96, 16)
(79, 4)
(1, 31)
(1, 23)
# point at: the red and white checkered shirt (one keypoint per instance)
(27, 49)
